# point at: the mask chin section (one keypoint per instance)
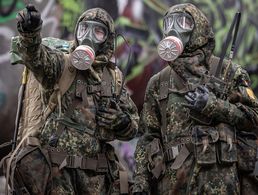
(170, 48)
(83, 57)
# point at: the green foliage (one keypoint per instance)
(6, 3)
(72, 9)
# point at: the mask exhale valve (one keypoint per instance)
(170, 48)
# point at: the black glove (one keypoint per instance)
(197, 99)
(28, 19)
(140, 193)
(113, 119)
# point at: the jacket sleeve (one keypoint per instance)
(45, 63)
(127, 106)
(150, 126)
(240, 109)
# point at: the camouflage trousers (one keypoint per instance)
(249, 184)
(77, 181)
(194, 179)
(32, 173)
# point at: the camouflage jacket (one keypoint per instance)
(239, 111)
(80, 136)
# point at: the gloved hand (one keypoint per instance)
(140, 193)
(198, 99)
(28, 19)
(113, 119)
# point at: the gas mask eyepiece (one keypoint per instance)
(90, 36)
(177, 29)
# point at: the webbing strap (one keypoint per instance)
(106, 84)
(163, 94)
(180, 159)
(214, 61)
(164, 82)
(62, 159)
(65, 81)
(123, 177)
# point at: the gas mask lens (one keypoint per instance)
(183, 20)
(100, 33)
(94, 30)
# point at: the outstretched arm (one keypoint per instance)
(45, 63)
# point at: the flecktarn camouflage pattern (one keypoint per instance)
(72, 148)
(192, 156)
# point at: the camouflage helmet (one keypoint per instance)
(202, 32)
(100, 15)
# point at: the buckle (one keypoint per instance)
(172, 152)
(74, 161)
(93, 88)
(102, 165)
(89, 89)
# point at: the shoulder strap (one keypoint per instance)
(111, 81)
(65, 81)
(164, 79)
(106, 83)
(214, 61)
(67, 76)
(165, 83)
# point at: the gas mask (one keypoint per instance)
(177, 29)
(90, 35)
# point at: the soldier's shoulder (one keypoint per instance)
(240, 75)
(156, 78)
(56, 43)
(154, 82)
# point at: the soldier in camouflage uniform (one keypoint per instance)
(189, 141)
(94, 110)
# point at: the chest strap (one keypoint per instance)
(163, 94)
(173, 151)
(62, 159)
(179, 154)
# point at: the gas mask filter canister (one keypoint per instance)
(170, 48)
(82, 57)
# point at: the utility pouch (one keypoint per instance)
(246, 150)
(204, 139)
(156, 164)
(227, 144)
(30, 171)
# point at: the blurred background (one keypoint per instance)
(139, 21)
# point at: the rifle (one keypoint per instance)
(216, 81)
(20, 95)
(224, 81)
(19, 107)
